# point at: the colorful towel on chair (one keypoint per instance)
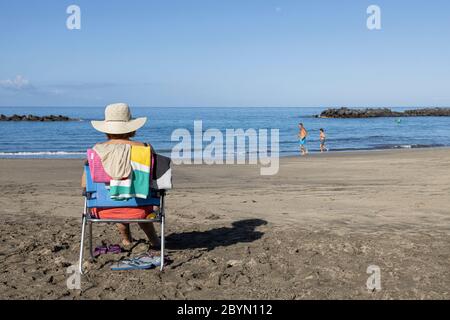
(137, 185)
(96, 167)
(115, 159)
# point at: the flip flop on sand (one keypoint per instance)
(141, 262)
(98, 251)
(115, 249)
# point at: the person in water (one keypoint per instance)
(323, 138)
(302, 135)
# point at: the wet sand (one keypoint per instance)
(309, 232)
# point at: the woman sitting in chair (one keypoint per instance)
(119, 128)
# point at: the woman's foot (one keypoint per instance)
(127, 242)
(150, 232)
(125, 233)
(155, 247)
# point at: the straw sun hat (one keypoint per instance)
(118, 120)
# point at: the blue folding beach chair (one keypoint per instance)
(97, 196)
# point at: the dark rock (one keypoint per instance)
(383, 112)
(60, 246)
(30, 117)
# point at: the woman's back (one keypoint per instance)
(123, 141)
(119, 128)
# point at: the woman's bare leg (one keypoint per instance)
(124, 230)
(150, 231)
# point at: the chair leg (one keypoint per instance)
(163, 222)
(83, 230)
(91, 252)
(162, 242)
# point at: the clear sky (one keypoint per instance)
(225, 53)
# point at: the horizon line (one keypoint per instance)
(222, 107)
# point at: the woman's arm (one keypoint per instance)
(83, 180)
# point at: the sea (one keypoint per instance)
(71, 139)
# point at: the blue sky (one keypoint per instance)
(225, 53)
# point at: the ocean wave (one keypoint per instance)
(407, 146)
(168, 152)
(42, 153)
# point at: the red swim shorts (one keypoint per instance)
(122, 213)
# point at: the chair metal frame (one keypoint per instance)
(88, 220)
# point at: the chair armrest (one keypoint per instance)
(86, 194)
(159, 193)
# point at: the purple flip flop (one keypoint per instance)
(115, 249)
(99, 251)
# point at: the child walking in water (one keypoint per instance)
(302, 134)
(323, 138)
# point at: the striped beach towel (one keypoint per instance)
(137, 185)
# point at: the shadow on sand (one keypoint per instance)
(241, 231)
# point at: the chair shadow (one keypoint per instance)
(242, 231)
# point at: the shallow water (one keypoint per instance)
(71, 139)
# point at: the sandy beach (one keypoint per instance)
(309, 232)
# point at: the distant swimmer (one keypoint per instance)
(323, 138)
(302, 135)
